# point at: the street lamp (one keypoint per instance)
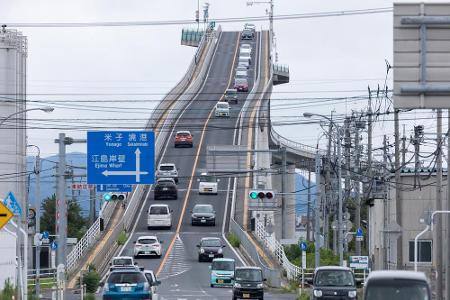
(46, 109)
(340, 233)
(250, 3)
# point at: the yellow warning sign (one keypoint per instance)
(5, 215)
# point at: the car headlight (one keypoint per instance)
(317, 293)
(202, 250)
(220, 251)
(259, 285)
(237, 285)
(214, 274)
(351, 294)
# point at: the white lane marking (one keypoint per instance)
(176, 263)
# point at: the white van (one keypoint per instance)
(207, 184)
(159, 215)
(222, 109)
(243, 61)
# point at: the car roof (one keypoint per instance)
(228, 90)
(210, 238)
(248, 268)
(183, 131)
(122, 257)
(147, 237)
(126, 270)
(203, 204)
(159, 204)
(165, 178)
(223, 259)
(167, 164)
(397, 275)
(331, 268)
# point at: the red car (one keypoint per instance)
(183, 138)
(241, 84)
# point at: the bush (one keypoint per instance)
(234, 240)
(91, 279)
(8, 291)
(89, 297)
(327, 258)
(304, 296)
(122, 238)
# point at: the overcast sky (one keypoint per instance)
(328, 57)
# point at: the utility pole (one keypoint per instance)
(447, 271)
(308, 205)
(369, 166)
(38, 221)
(61, 202)
(284, 211)
(438, 231)
(92, 205)
(340, 232)
(328, 189)
(357, 188)
(398, 195)
(347, 143)
(385, 206)
(317, 210)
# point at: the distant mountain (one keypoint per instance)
(48, 178)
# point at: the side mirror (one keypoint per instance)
(110, 264)
(171, 210)
(198, 246)
(156, 282)
(135, 263)
(134, 242)
(161, 242)
(223, 246)
(101, 284)
(265, 279)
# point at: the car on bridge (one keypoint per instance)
(183, 138)
(243, 62)
(241, 68)
(247, 34)
(241, 84)
(397, 285)
(250, 26)
(334, 282)
(207, 184)
(147, 245)
(203, 214)
(167, 170)
(222, 109)
(244, 55)
(241, 74)
(222, 272)
(165, 188)
(210, 248)
(159, 215)
(231, 96)
(126, 284)
(248, 283)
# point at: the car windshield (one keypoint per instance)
(222, 105)
(148, 241)
(248, 275)
(166, 168)
(165, 181)
(126, 277)
(223, 265)
(183, 134)
(211, 243)
(334, 278)
(240, 81)
(243, 60)
(397, 289)
(122, 262)
(206, 178)
(246, 46)
(202, 209)
(158, 210)
(231, 93)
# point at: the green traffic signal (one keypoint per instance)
(253, 195)
(106, 197)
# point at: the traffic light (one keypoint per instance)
(113, 196)
(261, 194)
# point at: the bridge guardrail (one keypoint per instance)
(93, 232)
(279, 140)
(101, 260)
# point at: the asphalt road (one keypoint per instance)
(182, 276)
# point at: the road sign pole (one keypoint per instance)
(38, 222)
(61, 207)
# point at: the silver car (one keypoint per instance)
(167, 170)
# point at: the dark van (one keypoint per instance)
(248, 283)
(401, 285)
(334, 282)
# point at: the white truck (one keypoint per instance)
(207, 184)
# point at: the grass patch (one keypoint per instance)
(234, 240)
(122, 238)
(291, 287)
(304, 296)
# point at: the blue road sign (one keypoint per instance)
(45, 235)
(121, 188)
(359, 232)
(303, 246)
(120, 157)
(53, 245)
(11, 202)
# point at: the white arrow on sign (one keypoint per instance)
(136, 173)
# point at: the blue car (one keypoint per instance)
(222, 272)
(128, 283)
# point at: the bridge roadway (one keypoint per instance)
(182, 276)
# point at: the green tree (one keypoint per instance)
(91, 279)
(77, 225)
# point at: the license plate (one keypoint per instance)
(220, 281)
(203, 221)
(165, 189)
(147, 252)
(125, 289)
(211, 255)
(245, 295)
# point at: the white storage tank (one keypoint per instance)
(13, 54)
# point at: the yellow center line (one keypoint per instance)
(194, 168)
